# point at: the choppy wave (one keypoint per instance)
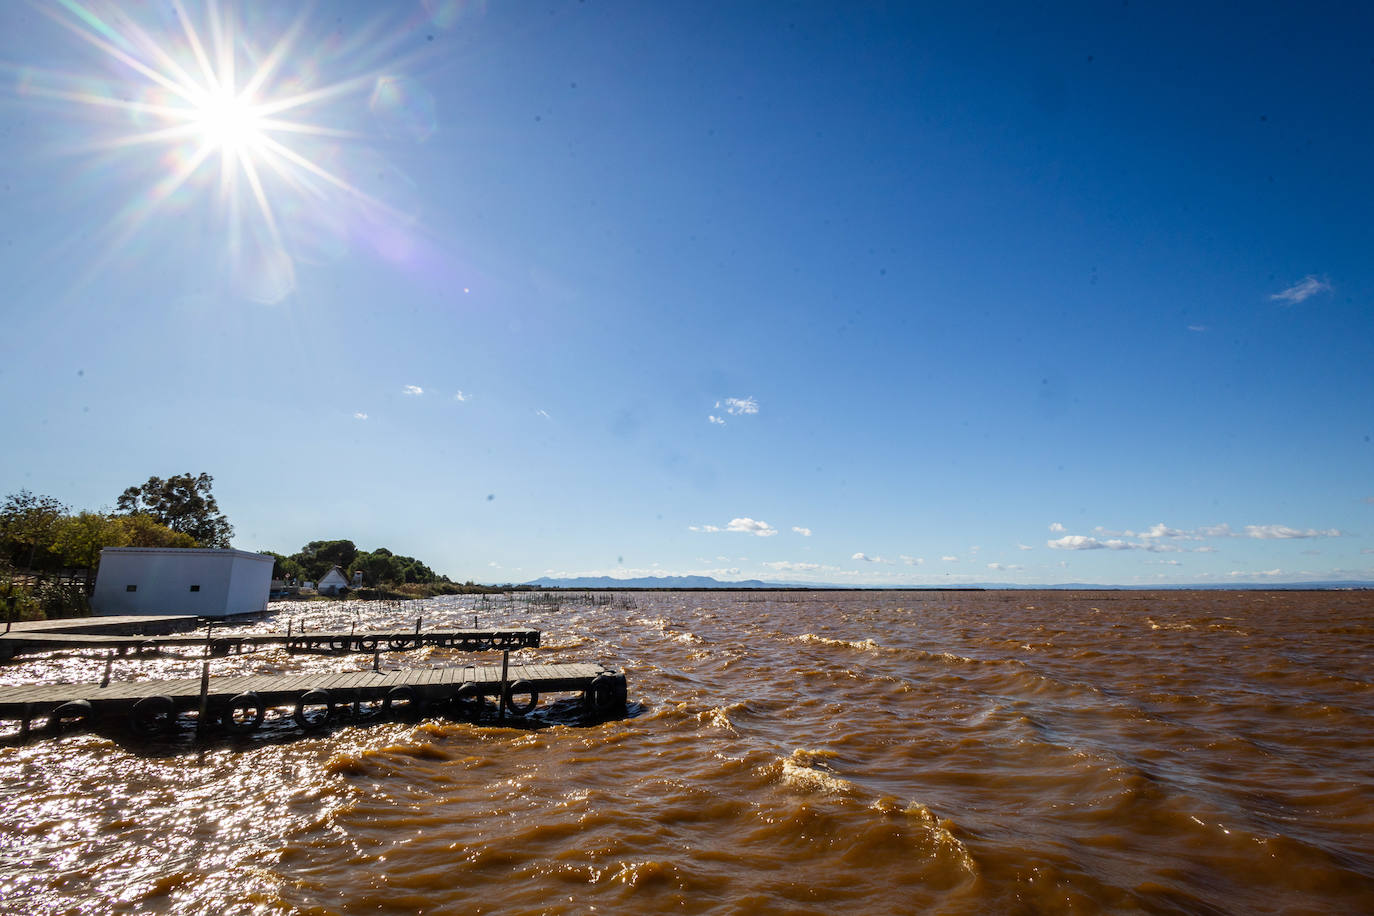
(791, 753)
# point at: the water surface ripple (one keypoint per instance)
(877, 752)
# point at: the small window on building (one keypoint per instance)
(131, 588)
(195, 588)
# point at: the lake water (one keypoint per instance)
(840, 752)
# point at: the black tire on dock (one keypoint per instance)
(74, 712)
(316, 697)
(400, 644)
(219, 647)
(467, 703)
(404, 702)
(601, 694)
(152, 716)
(250, 703)
(367, 644)
(519, 687)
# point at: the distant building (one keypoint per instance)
(166, 580)
(332, 582)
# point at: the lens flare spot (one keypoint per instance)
(403, 109)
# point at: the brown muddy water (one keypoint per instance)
(861, 752)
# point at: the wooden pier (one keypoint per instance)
(238, 704)
(21, 642)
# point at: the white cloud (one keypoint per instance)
(1283, 532)
(1057, 528)
(413, 390)
(739, 406)
(804, 532)
(1075, 542)
(751, 526)
(866, 558)
(719, 421)
(1197, 328)
(913, 561)
(1262, 574)
(1004, 566)
(740, 525)
(459, 396)
(542, 413)
(1215, 531)
(360, 416)
(1162, 530)
(949, 559)
(789, 566)
(1308, 287)
(1024, 547)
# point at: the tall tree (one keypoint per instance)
(182, 503)
(28, 522)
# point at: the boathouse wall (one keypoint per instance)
(201, 581)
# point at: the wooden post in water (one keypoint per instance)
(505, 685)
(24, 723)
(376, 658)
(109, 663)
(417, 625)
(289, 621)
(204, 698)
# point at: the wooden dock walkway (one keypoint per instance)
(239, 703)
(19, 642)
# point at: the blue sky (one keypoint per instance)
(871, 294)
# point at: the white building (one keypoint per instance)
(162, 580)
(332, 582)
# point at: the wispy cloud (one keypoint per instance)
(413, 390)
(867, 559)
(804, 532)
(1283, 532)
(1198, 328)
(539, 411)
(913, 561)
(1005, 566)
(719, 421)
(741, 526)
(738, 406)
(789, 566)
(459, 396)
(1057, 528)
(1024, 547)
(360, 416)
(1305, 289)
(950, 559)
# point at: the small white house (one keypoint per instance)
(332, 582)
(164, 580)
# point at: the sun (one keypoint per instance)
(209, 93)
(230, 123)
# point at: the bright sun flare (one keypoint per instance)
(230, 123)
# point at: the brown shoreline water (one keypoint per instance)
(876, 752)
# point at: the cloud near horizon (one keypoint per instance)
(804, 532)
(412, 390)
(740, 525)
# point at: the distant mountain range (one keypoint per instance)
(677, 582)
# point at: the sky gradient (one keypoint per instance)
(862, 293)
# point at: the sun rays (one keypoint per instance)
(198, 104)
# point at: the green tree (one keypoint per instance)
(80, 538)
(28, 522)
(182, 503)
(317, 557)
(144, 531)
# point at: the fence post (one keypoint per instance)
(505, 686)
